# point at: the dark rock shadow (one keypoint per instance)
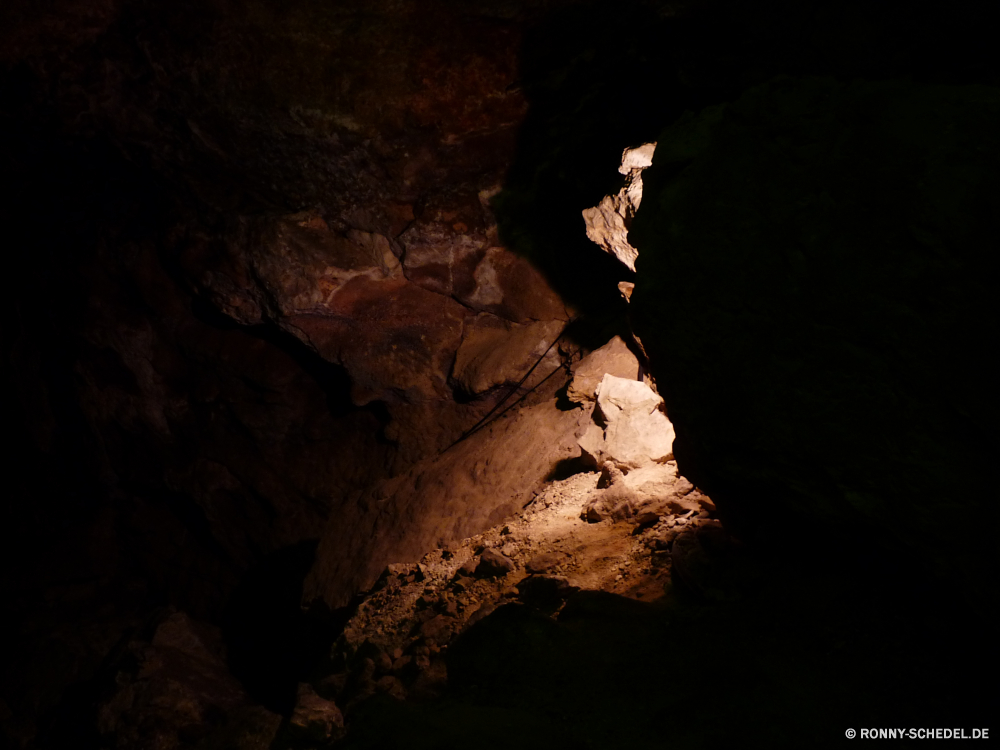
(273, 644)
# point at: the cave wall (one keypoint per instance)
(812, 290)
(266, 260)
(248, 244)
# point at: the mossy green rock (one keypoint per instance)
(814, 292)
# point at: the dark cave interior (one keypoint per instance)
(269, 262)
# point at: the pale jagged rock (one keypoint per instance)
(613, 358)
(608, 223)
(635, 431)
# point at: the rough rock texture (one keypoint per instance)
(474, 484)
(822, 335)
(250, 238)
(204, 204)
(609, 222)
(495, 352)
(614, 358)
(629, 428)
(315, 718)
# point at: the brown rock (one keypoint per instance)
(613, 358)
(617, 502)
(495, 351)
(545, 561)
(315, 717)
(468, 567)
(492, 564)
(391, 686)
(437, 628)
(402, 663)
(440, 259)
(178, 687)
(646, 519)
(474, 485)
(393, 337)
(508, 286)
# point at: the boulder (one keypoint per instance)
(492, 564)
(614, 358)
(631, 430)
(545, 588)
(177, 688)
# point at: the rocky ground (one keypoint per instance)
(598, 530)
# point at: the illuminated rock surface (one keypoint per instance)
(609, 222)
(629, 428)
(268, 261)
(614, 358)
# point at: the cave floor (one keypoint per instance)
(649, 626)
(550, 543)
(592, 532)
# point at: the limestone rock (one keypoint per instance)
(614, 358)
(617, 502)
(608, 223)
(635, 431)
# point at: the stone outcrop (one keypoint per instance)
(474, 484)
(629, 429)
(251, 242)
(495, 352)
(608, 223)
(316, 719)
(614, 358)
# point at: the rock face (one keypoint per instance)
(495, 352)
(629, 428)
(614, 358)
(248, 260)
(474, 484)
(821, 335)
(609, 222)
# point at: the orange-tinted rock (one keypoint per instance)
(395, 339)
(508, 286)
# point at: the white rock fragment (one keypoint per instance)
(608, 223)
(631, 431)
